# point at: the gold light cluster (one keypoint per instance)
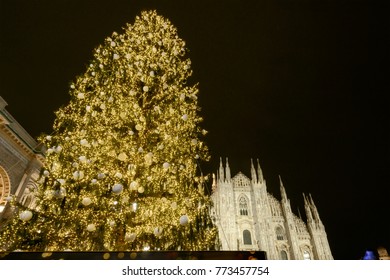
(120, 171)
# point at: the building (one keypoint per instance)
(249, 218)
(20, 162)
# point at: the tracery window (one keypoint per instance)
(279, 233)
(243, 206)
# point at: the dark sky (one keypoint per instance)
(299, 84)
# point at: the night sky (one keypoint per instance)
(299, 84)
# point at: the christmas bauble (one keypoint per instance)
(184, 220)
(166, 165)
(91, 227)
(141, 190)
(80, 95)
(58, 149)
(145, 88)
(83, 142)
(93, 181)
(82, 159)
(101, 176)
(46, 173)
(78, 175)
(194, 141)
(25, 215)
(116, 56)
(158, 231)
(185, 117)
(117, 188)
(118, 175)
(86, 201)
(133, 185)
(48, 138)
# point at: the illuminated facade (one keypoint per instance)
(20, 162)
(249, 218)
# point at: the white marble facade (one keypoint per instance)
(249, 218)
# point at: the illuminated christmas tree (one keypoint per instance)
(121, 165)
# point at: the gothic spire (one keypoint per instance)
(314, 209)
(228, 175)
(214, 185)
(253, 172)
(309, 215)
(282, 190)
(259, 172)
(221, 171)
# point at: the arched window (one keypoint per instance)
(243, 206)
(280, 233)
(306, 255)
(283, 255)
(247, 237)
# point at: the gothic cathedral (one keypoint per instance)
(249, 218)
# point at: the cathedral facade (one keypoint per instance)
(249, 218)
(21, 159)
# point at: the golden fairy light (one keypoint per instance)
(120, 171)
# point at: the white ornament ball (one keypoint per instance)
(80, 95)
(194, 141)
(145, 88)
(111, 223)
(49, 151)
(46, 173)
(86, 201)
(48, 138)
(83, 142)
(91, 227)
(151, 73)
(117, 188)
(158, 231)
(78, 175)
(133, 185)
(75, 164)
(185, 117)
(61, 181)
(141, 190)
(58, 149)
(131, 132)
(138, 127)
(101, 176)
(184, 220)
(197, 156)
(82, 159)
(113, 44)
(166, 165)
(118, 175)
(174, 205)
(116, 56)
(25, 215)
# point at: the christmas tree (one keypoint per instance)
(121, 166)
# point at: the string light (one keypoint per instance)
(130, 133)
